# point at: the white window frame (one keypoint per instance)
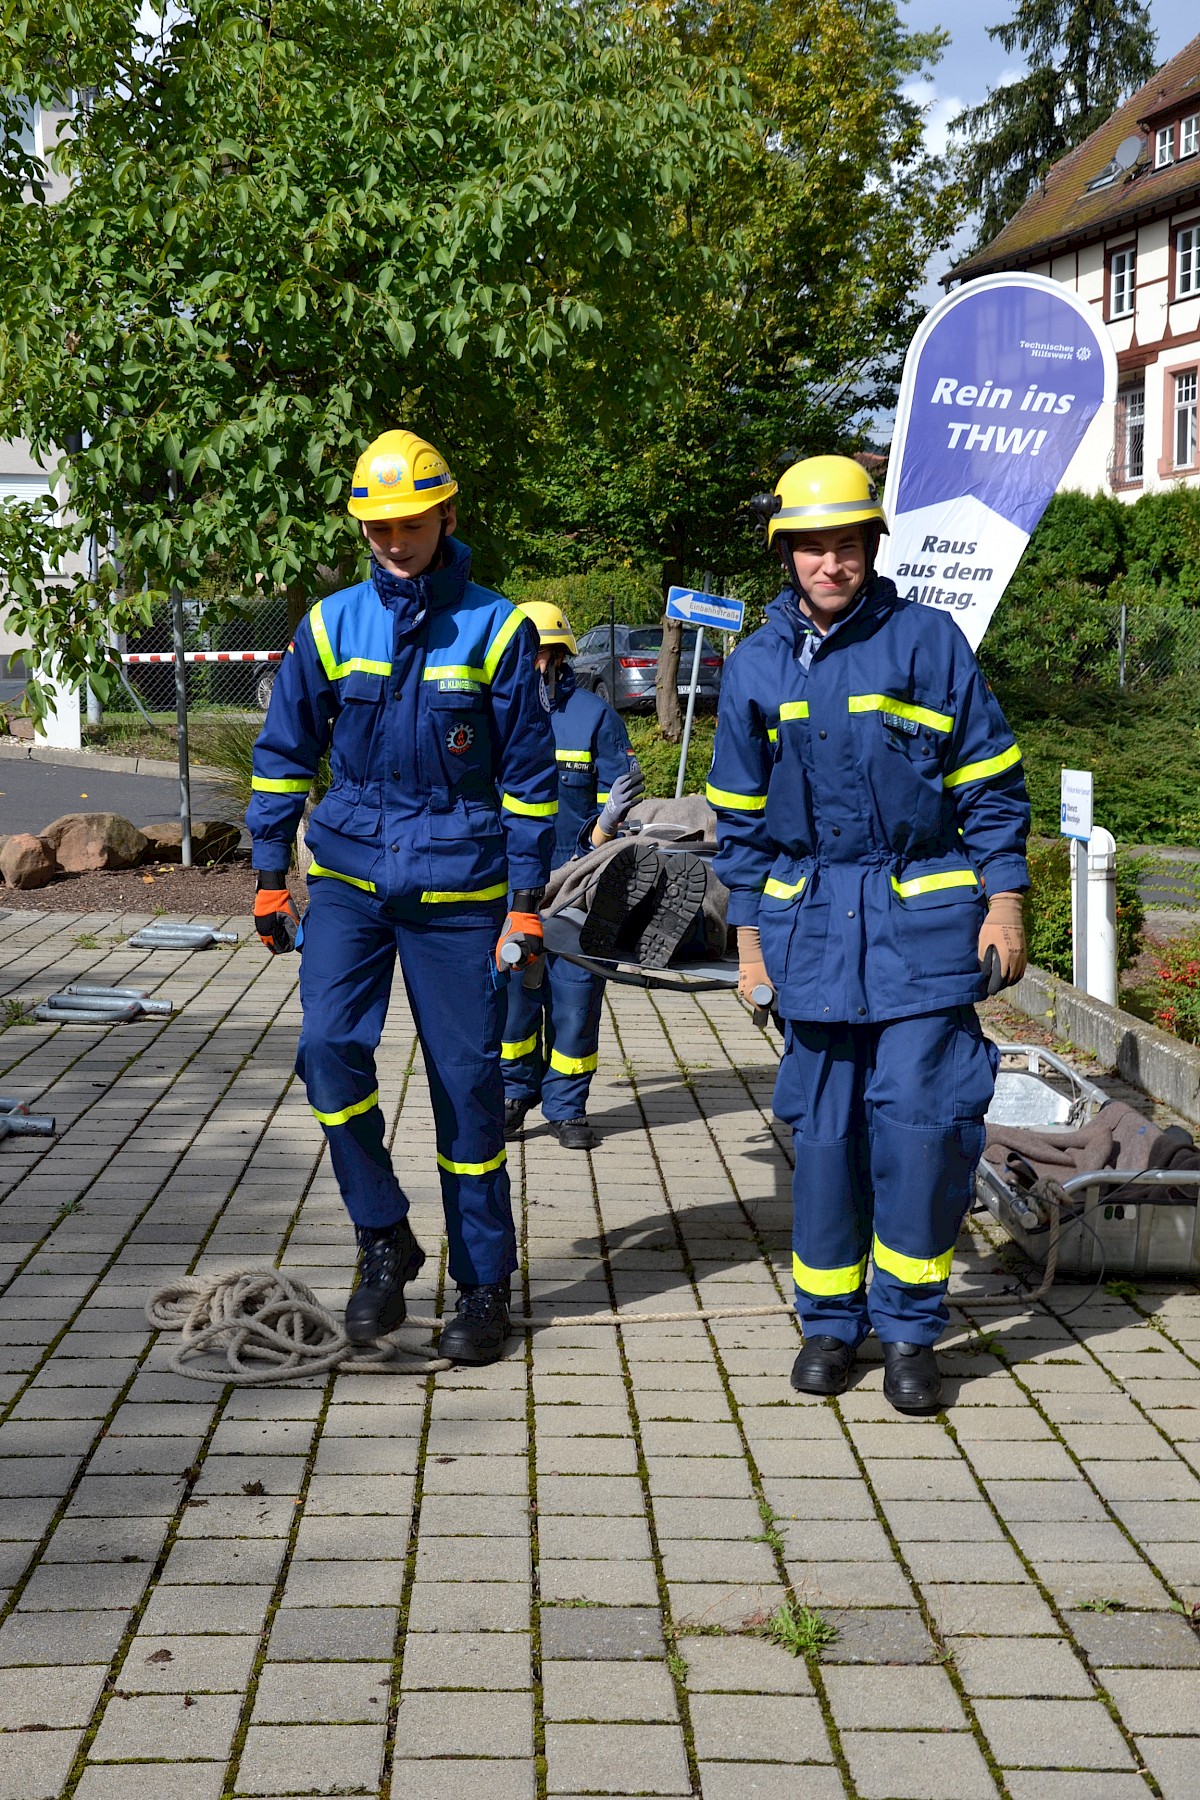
(1133, 433)
(1187, 261)
(1189, 135)
(1164, 146)
(1122, 283)
(1184, 419)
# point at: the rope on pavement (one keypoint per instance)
(273, 1329)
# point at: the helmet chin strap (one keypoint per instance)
(550, 677)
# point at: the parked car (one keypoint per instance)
(635, 665)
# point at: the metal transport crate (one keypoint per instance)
(1145, 1234)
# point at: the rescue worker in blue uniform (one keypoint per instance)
(872, 818)
(596, 769)
(442, 797)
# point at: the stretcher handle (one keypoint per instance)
(763, 996)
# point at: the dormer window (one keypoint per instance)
(1189, 135)
(1164, 146)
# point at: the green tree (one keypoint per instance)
(291, 225)
(837, 208)
(1084, 57)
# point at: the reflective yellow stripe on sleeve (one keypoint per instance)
(828, 1281)
(583, 756)
(913, 1271)
(348, 1112)
(316, 869)
(784, 890)
(573, 1065)
(268, 784)
(735, 802)
(980, 771)
(773, 734)
(529, 809)
(794, 709)
(932, 884)
(511, 1052)
(903, 709)
(480, 1168)
(605, 796)
(500, 643)
(435, 897)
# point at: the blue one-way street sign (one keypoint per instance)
(705, 609)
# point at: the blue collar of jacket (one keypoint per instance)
(878, 598)
(432, 591)
(565, 684)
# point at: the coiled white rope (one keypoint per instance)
(273, 1329)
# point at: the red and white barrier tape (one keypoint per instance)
(205, 656)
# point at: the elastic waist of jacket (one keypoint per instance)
(443, 797)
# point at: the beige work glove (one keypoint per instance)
(1002, 942)
(752, 971)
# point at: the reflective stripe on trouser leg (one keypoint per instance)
(818, 1092)
(446, 966)
(346, 964)
(521, 1045)
(573, 1003)
(928, 1090)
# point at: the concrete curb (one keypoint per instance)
(1142, 1053)
(16, 750)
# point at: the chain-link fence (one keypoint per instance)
(231, 659)
(1078, 640)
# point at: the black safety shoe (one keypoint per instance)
(911, 1378)
(624, 885)
(677, 900)
(389, 1255)
(477, 1332)
(573, 1134)
(514, 1118)
(823, 1366)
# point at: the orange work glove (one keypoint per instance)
(522, 927)
(1002, 952)
(274, 915)
(752, 971)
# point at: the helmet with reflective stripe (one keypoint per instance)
(821, 493)
(398, 476)
(551, 624)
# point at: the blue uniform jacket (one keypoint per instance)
(868, 791)
(443, 780)
(591, 747)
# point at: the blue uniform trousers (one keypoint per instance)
(350, 943)
(888, 1128)
(559, 1071)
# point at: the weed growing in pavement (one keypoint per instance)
(16, 1013)
(771, 1533)
(64, 1212)
(986, 1344)
(1104, 1604)
(1190, 1613)
(677, 1666)
(799, 1629)
(1122, 1290)
(87, 940)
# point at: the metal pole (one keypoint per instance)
(612, 650)
(1121, 670)
(1079, 914)
(181, 725)
(95, 712)
(691, 707)
(1102, 916)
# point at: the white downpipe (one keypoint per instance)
(1102, 916)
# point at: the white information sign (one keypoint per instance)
(1075, 813)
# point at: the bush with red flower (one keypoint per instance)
(1177, 987)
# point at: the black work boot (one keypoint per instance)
(823, 1366)
(514, 1118)
(623, 886)
(389, 1255)
(573, 1134)
(911, 1378)
(477, 1332)
(677, 900)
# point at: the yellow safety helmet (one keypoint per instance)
(398, 476)
(821, 493)
(551, 624)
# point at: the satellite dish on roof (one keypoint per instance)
(1128, 151)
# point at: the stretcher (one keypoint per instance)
(560, 933)
(1147, 1231)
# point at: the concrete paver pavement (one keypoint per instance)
(550, 1577)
